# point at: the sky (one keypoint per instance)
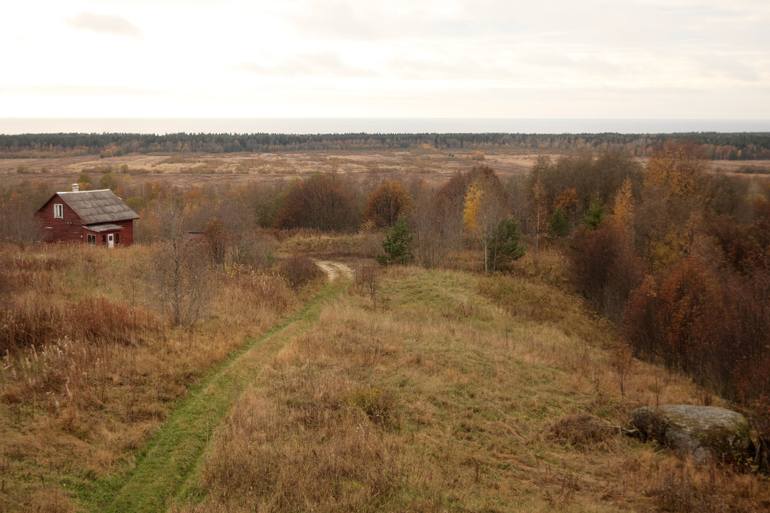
(706, 59)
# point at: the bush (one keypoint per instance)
(379, 405)
(706, 322)
(581, 431)
(387, 204)
(594, 215)
(397, 245)
(182, 276)
(322, 202)
(505, 245)
(681, 488)
(605, 268)
(299, 271)
(559, 224)
(367, 281)
(94, 320)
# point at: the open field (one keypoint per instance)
(199, 169)
(440, 391)
(433, 166)
(449, 395)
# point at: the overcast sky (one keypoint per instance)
(411, 58)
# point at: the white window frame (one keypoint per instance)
(91, 238)
(58, 210)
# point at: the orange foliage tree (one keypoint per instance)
(387, 204)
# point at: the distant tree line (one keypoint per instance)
(711, 145)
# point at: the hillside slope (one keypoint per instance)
(454, 392)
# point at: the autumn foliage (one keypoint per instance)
(322, 202)
(387, 204)
(686, 276)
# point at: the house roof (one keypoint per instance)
(100, 206)
(108, 227)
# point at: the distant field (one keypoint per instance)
(199, 169)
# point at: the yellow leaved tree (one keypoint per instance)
(483, 209)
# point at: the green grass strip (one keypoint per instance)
(174, 451)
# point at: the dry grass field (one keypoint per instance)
(99, 368)
(198, 169)
(455, 393)
(431, 165)
(430, 391)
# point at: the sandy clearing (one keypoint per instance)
(334, 269)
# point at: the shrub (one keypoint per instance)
(581, 431)
(379, 405)
(299, 271)
(594, 215)
(706, 322)
(94, 320)
(397, 245)
(182, 278)
(605, 268)
(29, 324)
(322, 202)
(505, 245)
(387, 204)
(367, 281)
(681, 488)
(559, 224)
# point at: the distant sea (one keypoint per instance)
(376, 125)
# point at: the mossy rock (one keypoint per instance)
(707, 433)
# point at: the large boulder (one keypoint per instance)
(708, 433)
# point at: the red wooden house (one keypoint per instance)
(89, 217)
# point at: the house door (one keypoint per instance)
(110, 240)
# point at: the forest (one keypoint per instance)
(712, 145)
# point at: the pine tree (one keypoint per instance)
(594, 215)
(559, 225)
(397, 245)
(505, 245)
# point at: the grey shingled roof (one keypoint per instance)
(104, 227)
(100, 206)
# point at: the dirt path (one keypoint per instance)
(334, 270)
(165, 467)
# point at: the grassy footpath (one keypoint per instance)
(173, 453)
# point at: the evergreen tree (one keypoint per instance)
(505, 245)
(594, 215)
(559, 225)
(397, 245)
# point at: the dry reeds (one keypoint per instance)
(299, 271)
(36, 323)
(88, 368)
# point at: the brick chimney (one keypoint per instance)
(75, 187)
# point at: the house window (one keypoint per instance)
(58, 211)
(117, 238)
(91, 238)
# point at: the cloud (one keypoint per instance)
(75, 90)
(730, 68)
(105, 24)
(314, 64)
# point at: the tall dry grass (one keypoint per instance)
(90, 365)
(457, 393)
(360, 245)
